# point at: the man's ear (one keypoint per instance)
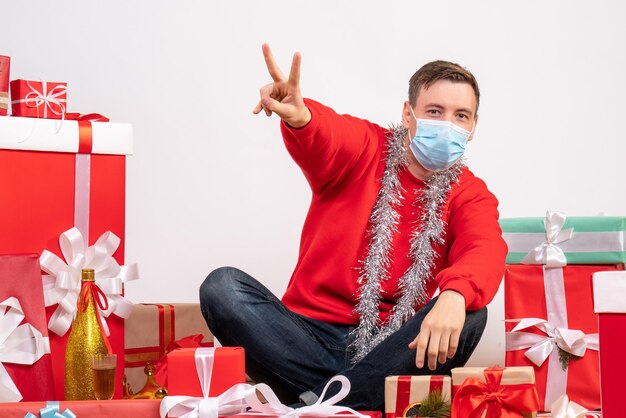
(406, 115)
(474, 129)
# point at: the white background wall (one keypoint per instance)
(210, 184)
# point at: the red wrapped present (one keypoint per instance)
(225, 367)
(38, 99)
(609, 291)
(5, 69)
(153, 330)
(494, 392)
(144, 408)
(402, 393)
(25, 354)
(557, 334)
(76, 181)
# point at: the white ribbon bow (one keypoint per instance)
(19, 344)
(48, 99)
(63, 282)
(539, 347)
(563, 408)
(548, 252)
(321, 408)
(242, 396)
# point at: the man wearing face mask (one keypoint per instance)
(395, 215)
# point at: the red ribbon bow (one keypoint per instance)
(99, 297)
(507, 401)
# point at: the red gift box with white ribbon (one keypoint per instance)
(552, 327)
(63, 195)
(609, 291)
(38, 99)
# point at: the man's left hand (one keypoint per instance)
(441, 328)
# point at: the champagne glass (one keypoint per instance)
(103, 366)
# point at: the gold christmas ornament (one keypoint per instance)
(86, 338)
(151, 390)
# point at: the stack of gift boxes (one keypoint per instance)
(560, 273)
(63, 200)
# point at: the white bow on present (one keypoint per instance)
(321, 408)
(564, 408)
(548, 252)
(242, 396)
(539, 347)
(63, 282)
(19, 344)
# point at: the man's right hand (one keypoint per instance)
(283, 96)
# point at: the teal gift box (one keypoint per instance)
(557, 240)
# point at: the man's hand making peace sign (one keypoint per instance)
(283, 96)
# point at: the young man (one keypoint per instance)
(395, 214)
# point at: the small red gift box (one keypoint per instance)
(5, 67)
(53, 179)
(38, 99)
(20, 277)
(609, 291)
(227, 369)
(557, 304)
(402, 393)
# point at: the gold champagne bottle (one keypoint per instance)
(86, 339)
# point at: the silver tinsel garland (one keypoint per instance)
(383, 225)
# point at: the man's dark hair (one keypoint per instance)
(440, 70)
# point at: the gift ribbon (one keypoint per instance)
(563, 408)
(52, 99)
(82, 180)
(475, 397)
(241, 396)
(63, 282)
(539, 347)
(52, 410)
(548, 252)
(321, 408)
(19, 344)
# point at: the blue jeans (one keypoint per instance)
(297, 355)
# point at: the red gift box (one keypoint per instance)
(562, 297)
(609, 289)
(5, 68)
(404, 392)
(38, 99)
(39, 191)
(144, 408)
(20, 277)
(227, 369)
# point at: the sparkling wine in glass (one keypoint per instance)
(103, 366)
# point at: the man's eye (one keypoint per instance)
(462, 116)
(433, 112)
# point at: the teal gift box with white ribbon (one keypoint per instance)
(557, 240)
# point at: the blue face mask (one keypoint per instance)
(437, 145)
